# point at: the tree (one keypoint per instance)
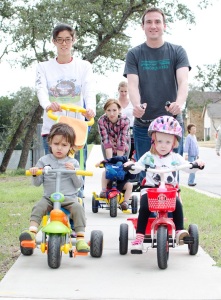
(22, 123)
(209, 77)
(100, 26)
(7, 16)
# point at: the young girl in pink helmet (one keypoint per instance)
(165, 132)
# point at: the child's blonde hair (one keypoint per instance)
(153, 140)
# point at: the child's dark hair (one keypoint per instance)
(62, 27)
(190, 126)
(64, 130)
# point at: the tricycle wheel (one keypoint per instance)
(54, 251)
(96, 243)
(162, 247)
(193, 232)
(95, 204)
(27, 251)
(123, 239)
(113, 207)
(134, 204)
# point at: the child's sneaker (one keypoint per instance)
(136, 247)
(82, 246)
(124, 205)
(180, 235)
(26, 235)
(103, 194)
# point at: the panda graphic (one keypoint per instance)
(170, 178)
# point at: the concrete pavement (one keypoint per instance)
(115, 276)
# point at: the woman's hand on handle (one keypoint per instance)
(89, 114)
(54, 106)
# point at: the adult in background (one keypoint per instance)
(218, 141)
(65, 80)
(126, 109)
(191, 150)
(157, 72)
(114, 130)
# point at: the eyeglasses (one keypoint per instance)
(61, 40)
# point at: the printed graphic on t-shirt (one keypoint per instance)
(170, 178)
(155, 65)
(65, 92)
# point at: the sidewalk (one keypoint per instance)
(114, 276)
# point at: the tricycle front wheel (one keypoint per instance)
(162, 247)
(113, 207)
(54, 251)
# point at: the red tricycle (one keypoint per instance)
(160, 230)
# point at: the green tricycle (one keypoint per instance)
(57, 227)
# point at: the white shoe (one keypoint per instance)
(180, 234)
(136, 247)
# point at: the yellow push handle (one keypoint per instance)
(28, 173)
(73, 108)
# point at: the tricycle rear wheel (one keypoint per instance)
(193, 232)
(134, 204)
(123, 239)
(96, 243)
(54, 251)
(95, 204)
(162, 247)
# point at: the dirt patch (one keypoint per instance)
(14, 178)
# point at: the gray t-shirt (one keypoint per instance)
(156, 68)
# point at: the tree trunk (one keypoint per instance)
(12, 145)
(31, 130)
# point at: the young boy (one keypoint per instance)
(191, 150)
(121, 184)
(61, 140)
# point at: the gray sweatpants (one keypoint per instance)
(77, 212)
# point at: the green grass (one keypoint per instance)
(205, 212)
(18, 197)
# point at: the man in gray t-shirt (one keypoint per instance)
(157, 72)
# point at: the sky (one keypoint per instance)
(201, 41)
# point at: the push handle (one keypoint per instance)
(168, 105)
(73, 108)
(39, 172)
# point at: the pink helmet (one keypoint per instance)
(166, 124)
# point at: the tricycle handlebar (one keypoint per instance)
(162, 170)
